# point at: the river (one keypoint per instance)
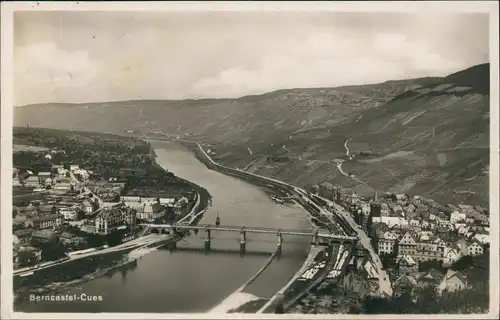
(188, 281)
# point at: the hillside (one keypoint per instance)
(430, 135)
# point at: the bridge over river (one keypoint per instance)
(317, 236)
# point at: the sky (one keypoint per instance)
(110, 56)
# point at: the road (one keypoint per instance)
(146, 240)
(384, 280)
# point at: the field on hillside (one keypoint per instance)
(427, 136)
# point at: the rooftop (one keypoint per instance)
(47, 234)
(45, 218)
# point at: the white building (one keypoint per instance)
(482, 238)
(451, 255)
(69, 213)
(456, 217)
(475, 248)
(392, 221)
(130, 199)
(61, 186)
(387, 243)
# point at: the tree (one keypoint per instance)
(427, 301)
(80, 214)
(463, 263)
(114, 238)
(432, 264)
(15, 212)
(53, 250)
(279, 309)
(95, 240)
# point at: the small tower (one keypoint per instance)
(375, 207)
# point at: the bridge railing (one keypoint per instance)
(253, 230)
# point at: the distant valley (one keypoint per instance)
(426, 136)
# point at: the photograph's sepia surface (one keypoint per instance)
(250, 161)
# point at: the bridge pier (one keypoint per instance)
(279, 249)
(243, 242)
(172, 245)
(315, 238)
(207, 241)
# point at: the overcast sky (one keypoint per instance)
(108, 56)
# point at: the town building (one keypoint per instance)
(405, 284)
(27, 256)
(43, 236)
(44, 222)
(375, 207)
(428, 250)
(111, 219)
(475, 248)
(32, 181)
(62, 187)
(453, 281)
(69, 213)
(406, 265)
(69, 238)
(430, 278)
(23, 236)
(456, 217)
(407, 245)
(451, 254)
(87, 206)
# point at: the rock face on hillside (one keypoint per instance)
(428, 136)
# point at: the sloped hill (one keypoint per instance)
(430, 135)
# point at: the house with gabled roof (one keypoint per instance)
(405, 284)
(23, 235)
(453, 281)
(475, 248)
(42, 236)
(369, 267)
(432, 277)
(462, 244)
(87, 206)
(452, 254)
(484, 239)
(406, 265)
(414, 222)
(456, 217)
(407, 244)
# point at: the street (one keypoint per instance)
(384, 282)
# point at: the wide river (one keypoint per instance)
(189, 281)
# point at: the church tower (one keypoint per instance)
(375, 207)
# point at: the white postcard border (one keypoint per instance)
(7, 9)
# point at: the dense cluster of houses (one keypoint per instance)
(66, 199)
(414, 230)
(59, 199)
(58, 179)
